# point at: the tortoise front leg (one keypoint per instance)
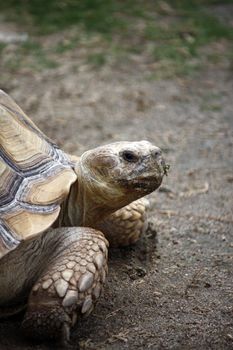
(70, 285)
(126, 226)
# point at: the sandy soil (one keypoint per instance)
(173, 290)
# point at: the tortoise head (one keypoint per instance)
(114, 175)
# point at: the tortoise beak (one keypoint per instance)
(164, 167)
(160, 162)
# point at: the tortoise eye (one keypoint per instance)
(129, 156)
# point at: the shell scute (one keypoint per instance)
(35, 177)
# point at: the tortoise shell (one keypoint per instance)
(35, 177)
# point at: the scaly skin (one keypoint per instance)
(126, 225)
(70, 285)
(63, 270)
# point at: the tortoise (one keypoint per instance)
(58, 215)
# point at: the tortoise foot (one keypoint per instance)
(70, 287)
(47, 322)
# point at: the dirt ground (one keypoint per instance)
(172, 290)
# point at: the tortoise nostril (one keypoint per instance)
(156, 153)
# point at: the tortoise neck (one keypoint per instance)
(71, 212)
(83, 207)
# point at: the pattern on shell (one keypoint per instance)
(35, 176)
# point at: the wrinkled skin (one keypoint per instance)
(110, 177)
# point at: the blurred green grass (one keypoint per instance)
(170, 32)
(48, 16)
